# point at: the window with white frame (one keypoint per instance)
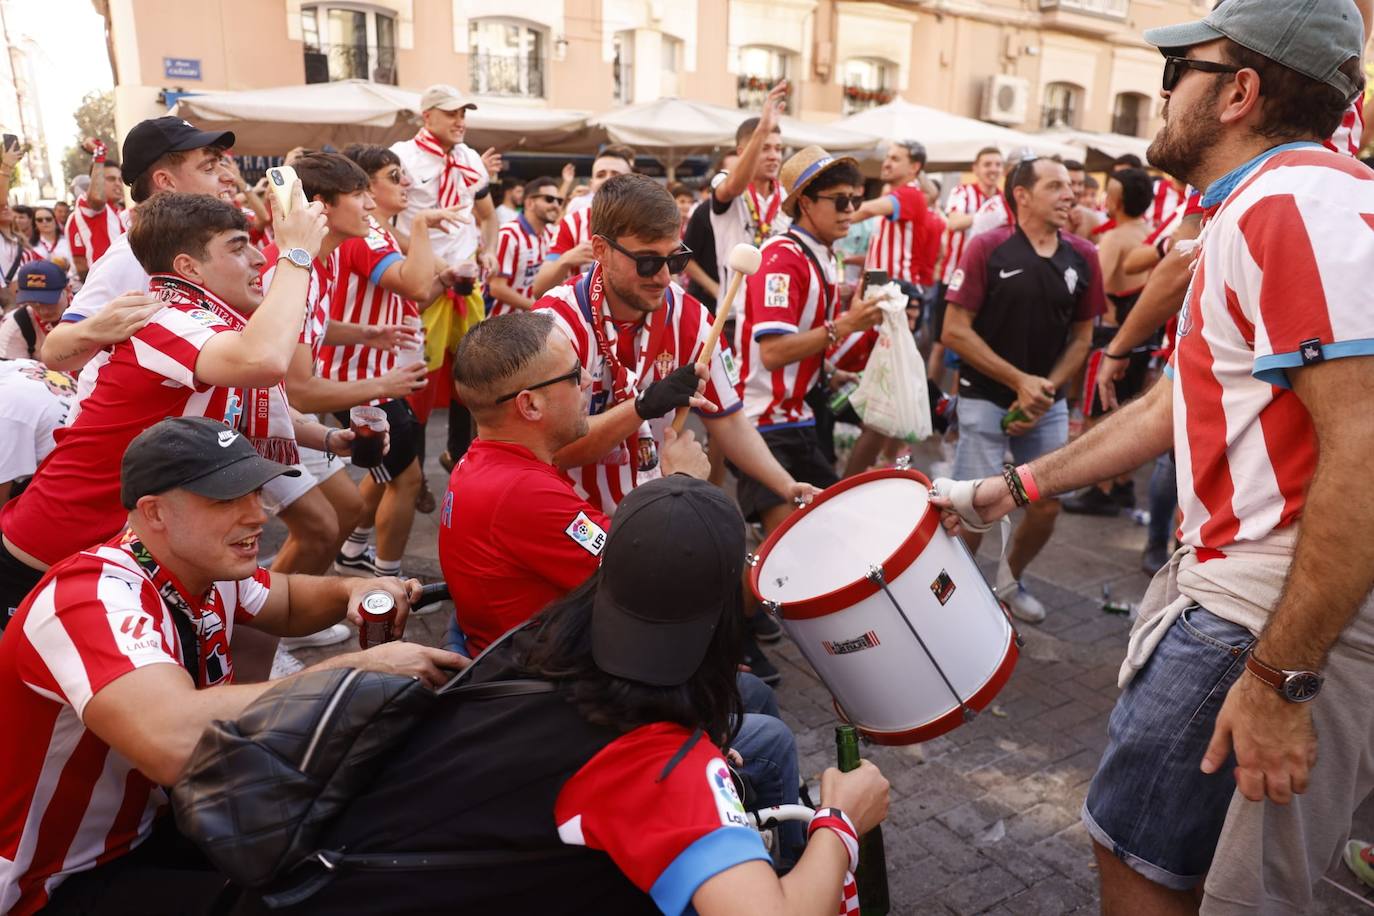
(623, 66)
(760, 67)
(348, 41)
(1061, 107)
(506, 57)
(671, 59)
(868, 82)
(1130, 112)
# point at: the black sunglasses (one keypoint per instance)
(648, 265)
(1174, 68)
(553, 197)
(843, 202)
(575, 376)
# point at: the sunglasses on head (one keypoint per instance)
(575, 376)
(1175, 67)
(648, 265)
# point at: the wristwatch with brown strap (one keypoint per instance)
(1293, 686)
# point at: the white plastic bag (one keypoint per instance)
(892, 397)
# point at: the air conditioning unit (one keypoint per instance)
(1005, 98)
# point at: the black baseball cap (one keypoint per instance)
(672, 563)
(154, 138)
(196, 454)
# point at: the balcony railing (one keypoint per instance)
(506, 74)
(326, 63)
(1110, 9)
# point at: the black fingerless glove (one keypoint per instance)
(677, 390)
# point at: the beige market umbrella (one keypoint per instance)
(1098, 150)
(951, 141)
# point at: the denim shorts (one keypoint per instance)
(983, 446)
(1149, 802)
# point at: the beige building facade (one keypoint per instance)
(1030, 64)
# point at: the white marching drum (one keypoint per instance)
(888, 607)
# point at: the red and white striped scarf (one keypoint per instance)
(455, 177)
(261, 414)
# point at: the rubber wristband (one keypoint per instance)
(1113, 355)
(1028, 482)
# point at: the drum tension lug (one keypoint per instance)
(752, 559)
(772, 607)
(876, 574)
(904, 462)
(969, 713)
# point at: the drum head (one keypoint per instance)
(836, 540)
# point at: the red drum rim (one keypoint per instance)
(847, 596)
(952, 719)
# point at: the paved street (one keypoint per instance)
(985, 818)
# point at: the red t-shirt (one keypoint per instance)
(513, 536)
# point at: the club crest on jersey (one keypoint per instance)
(775, 287)
(587, 534)
(956, 280)
(665, 363)
(728, 805)
(1071, 279)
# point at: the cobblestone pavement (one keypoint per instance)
(985, 818)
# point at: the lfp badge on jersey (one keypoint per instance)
(588, 534)
(728, 805)
(775, 287)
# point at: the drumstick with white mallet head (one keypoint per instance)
(744, 261)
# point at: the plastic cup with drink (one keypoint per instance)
(414, 351)
(465, 278)
(369, 433)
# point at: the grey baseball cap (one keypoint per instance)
(1313, 37)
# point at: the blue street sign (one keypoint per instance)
(186, 68)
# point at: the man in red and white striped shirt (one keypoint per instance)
(963, 204)
(376, 287)
(1266, 405)
(633, 331)
(521, 246)
(903, 239)
(121, 658)
(98, 217)
(218, 349)
(571, 249)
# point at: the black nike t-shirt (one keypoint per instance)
(1023, 304)
(702, 240)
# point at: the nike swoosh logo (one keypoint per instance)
(1007, 274)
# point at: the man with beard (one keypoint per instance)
(521, 246)
(1022, 306)
(1266, 404)
(639, 336)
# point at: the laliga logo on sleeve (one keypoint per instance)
(728, 805)
(587, 534)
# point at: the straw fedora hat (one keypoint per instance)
(804, 167)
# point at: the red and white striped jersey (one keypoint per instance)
(359, 298)
(786, 296)
(1350, 133)
(573, 229)
(69, 801)
(90, 232)
(1280, 283)
(1168, 200)
(899, 243)
(323, 275)
(520, 251)
(964, 200)
(675, 332)
(73, 499)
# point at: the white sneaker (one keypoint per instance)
(1022, 604)
(284, 664)
(326, 637)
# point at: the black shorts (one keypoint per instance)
(401, 454)
(798, 450)
(1127, 387)
(16, 581)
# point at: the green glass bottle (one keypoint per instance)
(871, 876)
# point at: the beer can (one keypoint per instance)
(378, 611)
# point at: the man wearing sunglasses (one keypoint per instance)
(521, 246)
(1250, 664)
